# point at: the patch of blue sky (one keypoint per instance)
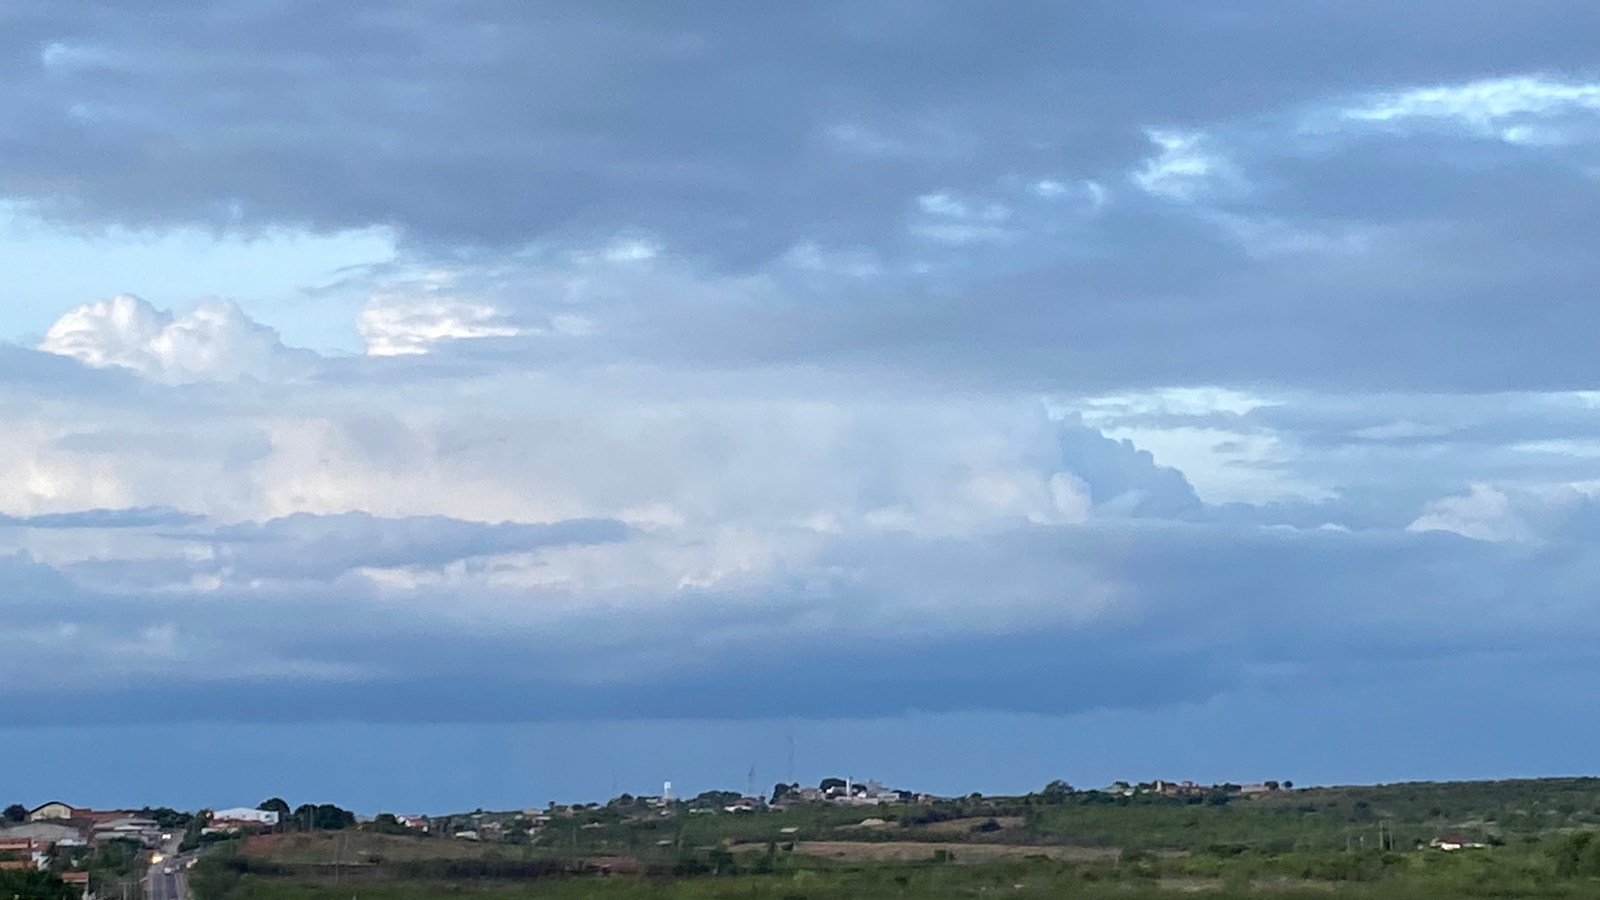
(308, 286)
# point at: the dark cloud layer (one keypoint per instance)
(501, 122)
(734, 133)
(1203, 611)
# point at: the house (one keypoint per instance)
(415, 823)
(873, 792)
(131, 828)
(22, 853)
(80, 879)
(55, 809)
(60, 833)
(241, 818)
(1452, 842)
(25, 853)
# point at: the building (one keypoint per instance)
(55, 809)
(415, 823)
(81, 880)
(243, 817)
(1455, 842)
(146, 832)
(59, 833)
(24, 853)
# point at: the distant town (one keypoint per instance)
(61, 851)
(100, 852)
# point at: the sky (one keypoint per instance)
(423, 407)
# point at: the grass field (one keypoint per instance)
(1373, 875)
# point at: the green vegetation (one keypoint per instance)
(112, 865)
(26, 884)
(169, 819)
(320, 817)
(1373, 874)
(1510, 839)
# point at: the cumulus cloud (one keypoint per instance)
(214, 342)
(1484, 514)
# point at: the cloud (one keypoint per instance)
(325, 547)
(104, 518)
(215, 342)
(1485, 514)
(1525, 109)
(1056, 379)
(952, 220)
(1067, 619)
(1185, 170)
(410, 318)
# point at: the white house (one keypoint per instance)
(242, 816)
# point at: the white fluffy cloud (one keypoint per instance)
(214, 342)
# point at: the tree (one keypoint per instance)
(279, 806)
(388, 823)
(29, 884)
(1056, 792)
(322, 817)
(16, 812)
(714, 799)
(168, 818)
(1577, 854)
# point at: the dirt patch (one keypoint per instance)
(970, 824)
(354, 848)
(915, 851)
(871, 824)
(1285, 883)
(1190, 885)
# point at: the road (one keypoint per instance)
(168, 877)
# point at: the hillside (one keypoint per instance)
(1516, 838)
